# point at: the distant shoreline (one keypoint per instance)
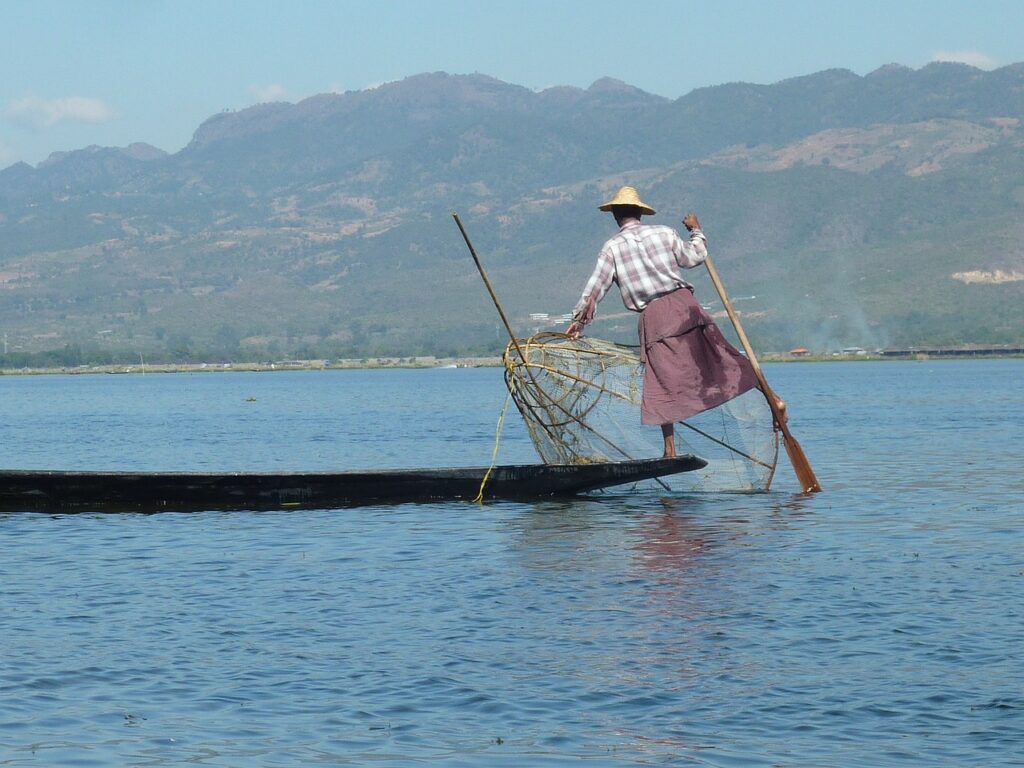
(280, 365)
(423, 362)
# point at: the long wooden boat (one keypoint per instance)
(63, 492)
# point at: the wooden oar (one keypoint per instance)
(801, 466)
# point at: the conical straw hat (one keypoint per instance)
(627, 196)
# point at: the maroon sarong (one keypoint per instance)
(689, 366)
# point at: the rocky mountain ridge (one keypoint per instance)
(845, 204)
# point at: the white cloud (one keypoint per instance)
(973, 58)
(34, 112)
(265, 93)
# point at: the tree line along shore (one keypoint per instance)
(470, 362)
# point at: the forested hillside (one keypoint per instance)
(842, 210)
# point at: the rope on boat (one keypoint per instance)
(494, 454)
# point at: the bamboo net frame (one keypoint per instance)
(580, 401)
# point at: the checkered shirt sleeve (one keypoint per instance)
(644, 261)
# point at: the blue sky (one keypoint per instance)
(111, 72)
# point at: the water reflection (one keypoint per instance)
(795, 505)
(572, 535)
(669, 542)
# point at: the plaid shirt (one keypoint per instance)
(643, 260)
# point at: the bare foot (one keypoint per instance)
(668, 433)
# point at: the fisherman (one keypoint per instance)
(689, 366)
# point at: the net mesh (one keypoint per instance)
(580, 399)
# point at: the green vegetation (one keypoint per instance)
(844, 211)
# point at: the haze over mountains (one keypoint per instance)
(842, 211)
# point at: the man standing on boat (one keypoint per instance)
(689, 366)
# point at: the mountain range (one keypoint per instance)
(842, 210)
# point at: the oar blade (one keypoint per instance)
(801, 465)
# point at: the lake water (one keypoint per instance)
(877, 623)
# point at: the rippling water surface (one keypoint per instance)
(876, 623)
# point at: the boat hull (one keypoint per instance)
(62, 491)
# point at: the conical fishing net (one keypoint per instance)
(580, 399)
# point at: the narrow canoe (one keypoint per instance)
(61, 491)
